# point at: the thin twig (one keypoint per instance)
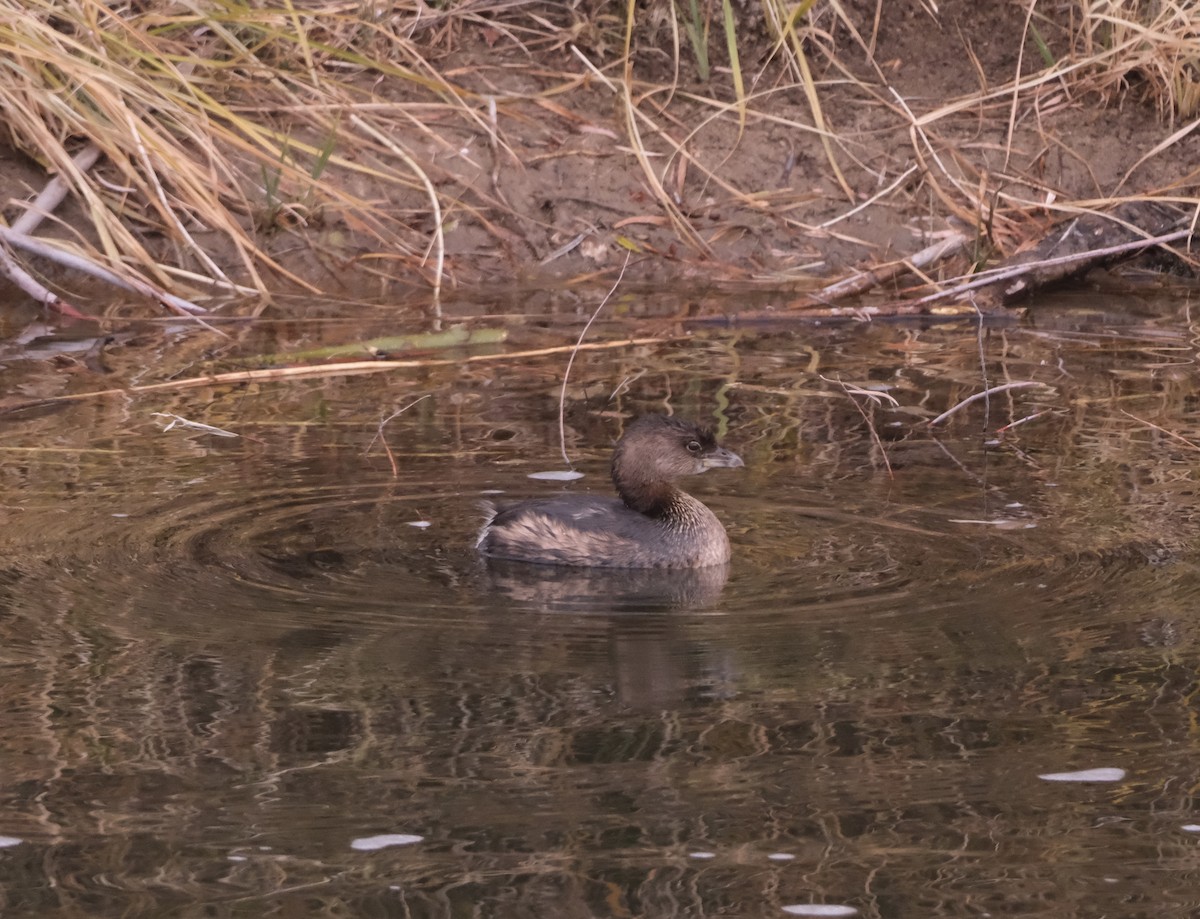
(876, 398)
(562, 393)
(986, 394)
(1026, 420)
(180, 421)
(882, 193)
(439, 241)
(379, 435)
(1162, 430)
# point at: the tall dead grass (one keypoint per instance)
(223, 119)
(226, 124)
(1150, 45)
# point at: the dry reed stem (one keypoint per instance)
(876, 398)
(1174, 436)
(562, 394)
(348, 368)
(379, 436)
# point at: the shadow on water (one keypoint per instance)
(264, 675)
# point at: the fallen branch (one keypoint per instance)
(864, 281)
(985, 394)
(79, 263)
(34, 288)
(52, 195)
(993, 275)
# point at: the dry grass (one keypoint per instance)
(1151, 45)
(225, 126)
(217, 118)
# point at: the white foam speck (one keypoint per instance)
(1191, 827)
(371, 843)
(419, 524)
(702, 855)
(781, 856)
(557, 475)
(820, 909)
(1106, 774)
(7, 842)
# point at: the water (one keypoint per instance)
(239, 681)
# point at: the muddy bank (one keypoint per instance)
(552, 175)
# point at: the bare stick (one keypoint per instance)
(865, 280)
(52, 195)
(562, 393)
(987, 393)
(992, 275)
(180, 421)
(30, 285)
(71, 260)
(1026, 420)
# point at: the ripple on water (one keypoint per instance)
(278, 553)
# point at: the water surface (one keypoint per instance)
(265, 675)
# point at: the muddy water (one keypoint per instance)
(264, 674)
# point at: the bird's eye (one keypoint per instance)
(693, 446)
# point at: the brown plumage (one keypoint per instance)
(654, 523)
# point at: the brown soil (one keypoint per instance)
(760, 200)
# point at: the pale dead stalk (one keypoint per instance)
(52, 195)
(987, 394)
(379, 435)
(562, 393)
(876, 398)
(344, 369)
(1162, 430)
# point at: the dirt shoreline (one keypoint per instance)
(555, 190)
